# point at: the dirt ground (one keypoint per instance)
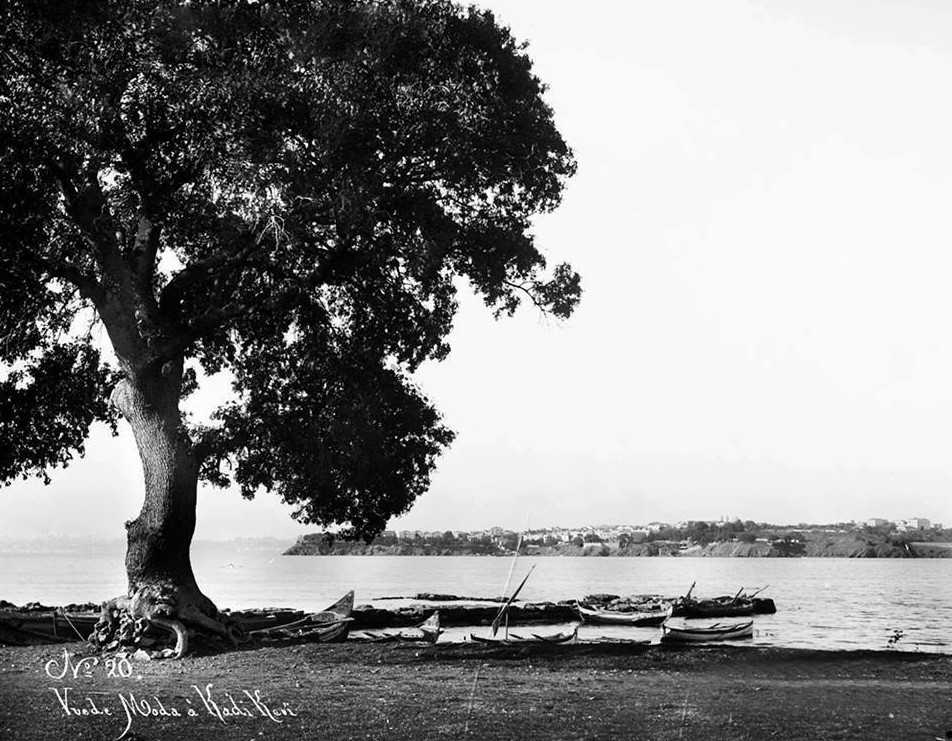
(461, 691)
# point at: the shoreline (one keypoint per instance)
(448, 691)
(715, 550)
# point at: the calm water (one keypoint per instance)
(822, 603)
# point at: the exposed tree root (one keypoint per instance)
(159, 613)
(181, 636)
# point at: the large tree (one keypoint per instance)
(285, 190)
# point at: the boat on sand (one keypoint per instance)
(515, 639)
(428, 632)
(634, 618)
(327, 626)
(38, 627)
(708, 633)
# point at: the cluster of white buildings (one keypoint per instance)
(605, 533)
(614, 533)
(902, 526)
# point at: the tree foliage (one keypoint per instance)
(287, 191)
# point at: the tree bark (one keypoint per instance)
(159, 538)
(161, 581)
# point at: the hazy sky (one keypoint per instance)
(762, 218)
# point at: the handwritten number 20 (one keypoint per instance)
(118, 667)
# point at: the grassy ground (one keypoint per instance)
(459, 691)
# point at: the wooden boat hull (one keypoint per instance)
(46, 627)
(713, 609)
(327, 626)
(515, 639)
(634, 619)
(375, 636)
(409, 635)
(427, 632)
(255, 620)
(716, 632)
(644, 642)
(567, 637)
(329, 632)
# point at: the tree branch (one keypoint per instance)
(201, 270)
(88, 286)
(212, 319)
(145, 250)
(87, 209)
(75, 203)
(530, 294)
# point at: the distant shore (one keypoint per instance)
(461, 691)
(843, 547)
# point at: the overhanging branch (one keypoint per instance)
(213, 318)
(212, 267)
(532, 297)
(88, 286)
(88, 209)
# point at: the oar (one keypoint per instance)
(505, 608)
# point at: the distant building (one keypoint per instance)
(876, 522)
(914, 523)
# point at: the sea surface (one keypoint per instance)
(823, 603)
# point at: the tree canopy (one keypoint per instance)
(288, 191)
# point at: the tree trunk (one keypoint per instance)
(161, 582)
(160, 537)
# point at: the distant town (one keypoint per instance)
(873, 538)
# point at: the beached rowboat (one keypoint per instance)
(257, 620)
(633, 618)
(330, 625)
(428, 631)
(513, 639)
(713, 608)
(715, 632)
(36, 627)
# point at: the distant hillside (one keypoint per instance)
(932, 550)
(812, 545)
(318, 544)
(817, 545)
